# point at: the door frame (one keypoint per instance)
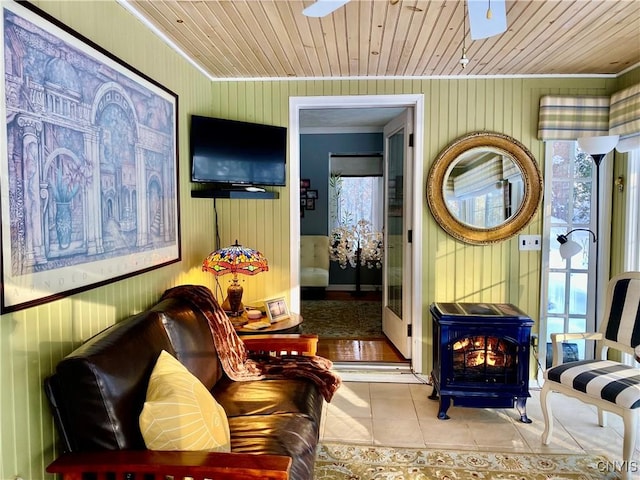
(414, 101)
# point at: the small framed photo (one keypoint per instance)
(312, 193)
(305, 183)
(311, 204)
(277, 309)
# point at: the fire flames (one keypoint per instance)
(479, 351)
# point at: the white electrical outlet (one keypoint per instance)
(529, 242)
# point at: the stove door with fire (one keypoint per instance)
(481, 356)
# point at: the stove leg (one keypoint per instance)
(521, 405)
(445, 402)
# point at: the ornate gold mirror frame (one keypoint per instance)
(499, 144)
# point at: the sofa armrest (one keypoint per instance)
(302, 344)
(160, 465)
(558, 338)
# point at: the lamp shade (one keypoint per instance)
(569, 249)
(600, 145)
(235, 259)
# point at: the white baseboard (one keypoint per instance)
(378, 373)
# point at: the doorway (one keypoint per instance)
(348, 109)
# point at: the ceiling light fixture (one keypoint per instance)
(464, 60)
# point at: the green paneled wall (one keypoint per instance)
(32, 341)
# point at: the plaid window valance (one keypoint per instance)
(624, 118)
(563, 117)
(568, 118)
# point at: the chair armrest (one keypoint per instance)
(561, 337)
(301, 344)
(159, 465)
(558, 338)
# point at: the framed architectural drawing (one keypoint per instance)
(88, 164)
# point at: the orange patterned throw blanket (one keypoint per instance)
(233, 354)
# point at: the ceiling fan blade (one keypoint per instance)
(322, 8)
(480, 25)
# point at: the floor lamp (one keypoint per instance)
(597, 148)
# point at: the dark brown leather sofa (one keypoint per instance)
(98, 391)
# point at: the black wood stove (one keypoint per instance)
(480, 356)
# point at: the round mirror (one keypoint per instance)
(484, 187)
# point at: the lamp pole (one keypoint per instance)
(597, 147)
(597, 159)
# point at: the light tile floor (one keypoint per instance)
(402, 415)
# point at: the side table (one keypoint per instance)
(293, 324)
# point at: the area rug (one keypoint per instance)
(342, 319)
(355, 462)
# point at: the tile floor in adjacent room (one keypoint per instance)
(402, 415)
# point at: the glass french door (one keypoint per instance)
(396, 311)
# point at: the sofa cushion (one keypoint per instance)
(314, 277)
(180, 413)
(314, 261)
(191, 338)
(266, 397)
(98, 390)
(289, 434)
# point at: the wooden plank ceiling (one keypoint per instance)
(397, 38)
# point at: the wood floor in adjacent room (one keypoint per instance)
(365, 350)
(359, 350)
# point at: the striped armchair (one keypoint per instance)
(609, 385)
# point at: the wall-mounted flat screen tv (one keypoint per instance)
(230, 153)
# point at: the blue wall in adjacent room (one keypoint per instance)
(315, 150)
(314, 165)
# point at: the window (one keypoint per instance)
(569, 282)
(357, 198)
(632, 234)
(356, 190)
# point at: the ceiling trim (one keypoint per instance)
(129, 7)
(409, 77)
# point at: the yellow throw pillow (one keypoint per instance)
(179, 412)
